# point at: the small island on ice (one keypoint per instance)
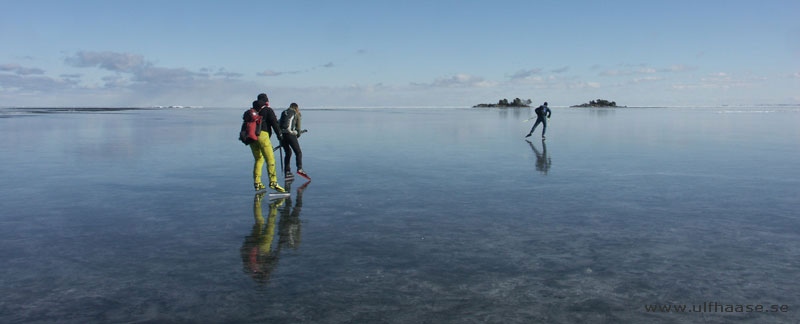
(503, 103)
(599, 103)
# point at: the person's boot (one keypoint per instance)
(259, 186)
(274, 185)
(303, 174)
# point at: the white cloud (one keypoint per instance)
(528, 80)
(271, 73)
(647, 79)
(535, 78)
(616, 72)
(559, 82)
(646, 70)
(174, 76)
(115, 81)
(139, 70)
(225, 74)
(624, 72)
(678, 68)
(719, 78)
(722, 80)
(112, 61)
(643, 69)
(458, 80)
(684, 86)
(593, 85)
(131, 80)
(524, 74)
(20, 70)
(34, 83)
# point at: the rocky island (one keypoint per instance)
(598, 103)
(517, 102)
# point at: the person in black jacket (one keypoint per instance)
(262, 149)
(290, 127)
(542, 115)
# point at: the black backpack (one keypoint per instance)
(283, 122)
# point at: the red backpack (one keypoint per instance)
(251, 121)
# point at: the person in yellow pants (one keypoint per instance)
(262, 149)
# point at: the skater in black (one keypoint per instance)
(542, 115)
(290, 127)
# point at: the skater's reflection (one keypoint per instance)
(542, 159)
(259, 257)
(289, 226)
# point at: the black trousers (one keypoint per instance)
(290, 144)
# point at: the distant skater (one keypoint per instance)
(290, 128)
(542, 114)
(262, 149)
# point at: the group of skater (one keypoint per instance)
(287, 131)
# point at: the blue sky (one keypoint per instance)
(398, 53)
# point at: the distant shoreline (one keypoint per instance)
(101, 108)
(498, 106)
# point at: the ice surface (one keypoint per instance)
(414, 215)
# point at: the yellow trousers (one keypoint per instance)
(261, 150)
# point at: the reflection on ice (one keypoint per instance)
(259, 257)
(415, 215)
(543, 161)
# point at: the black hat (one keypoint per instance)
(545, 103)
(262, 97)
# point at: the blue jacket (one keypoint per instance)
(541, 111)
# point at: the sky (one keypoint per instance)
(397, 53)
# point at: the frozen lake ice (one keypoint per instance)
(413, 215)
